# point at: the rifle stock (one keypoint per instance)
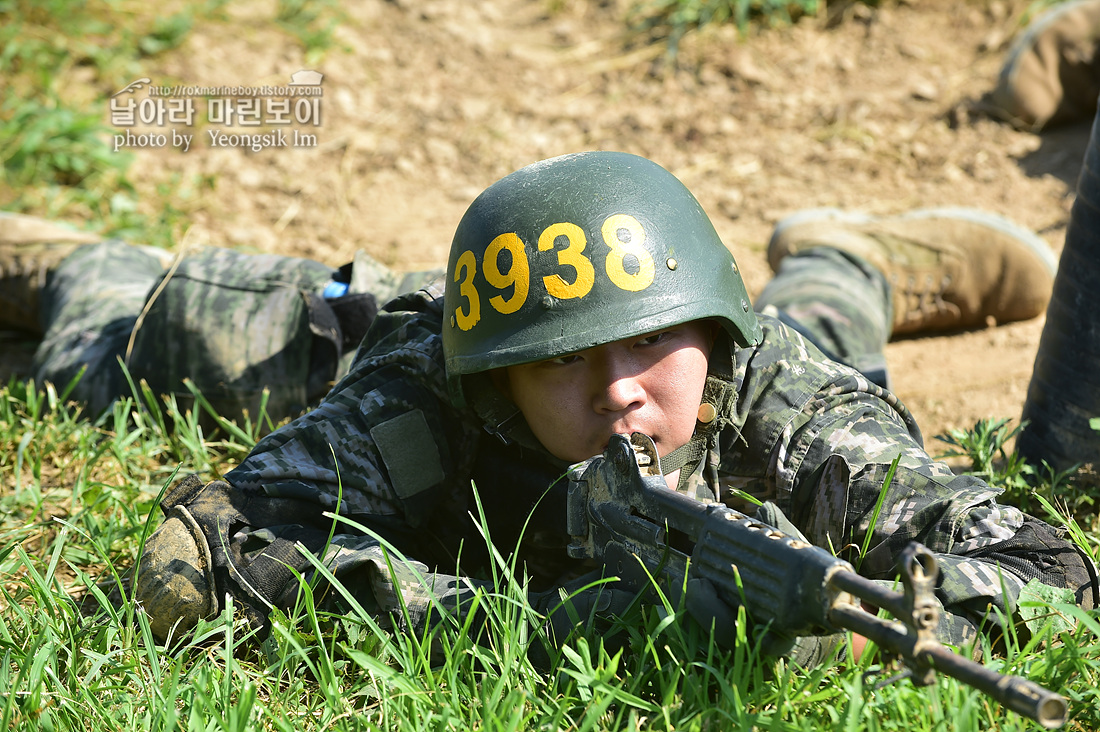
(621, 512)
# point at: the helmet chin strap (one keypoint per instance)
(687, 455)
(713, 415)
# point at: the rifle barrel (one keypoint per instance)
(1021, 695)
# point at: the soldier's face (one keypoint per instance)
(651, 383)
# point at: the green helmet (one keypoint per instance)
(578, 251)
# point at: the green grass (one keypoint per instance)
(986, 447)
(79, 500)
(668, 21)
(61, 60)
(312, 22)
(676, 17)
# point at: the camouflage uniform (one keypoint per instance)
(234, 324)
(88, 311)
(388, 450)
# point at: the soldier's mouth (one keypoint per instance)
(625, 433)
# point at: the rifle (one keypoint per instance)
(621, 512)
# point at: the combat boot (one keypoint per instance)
(1052, 72)
(948, 268)
(29, 248)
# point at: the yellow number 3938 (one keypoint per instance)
(623, 234)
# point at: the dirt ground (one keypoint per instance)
(427, 102)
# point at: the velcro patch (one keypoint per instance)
(409, 452)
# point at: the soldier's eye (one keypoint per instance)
(654, 339)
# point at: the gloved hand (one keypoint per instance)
(712, 611)
(707, 608)
(584, 604)
(578, 602)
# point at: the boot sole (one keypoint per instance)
(1028, 238)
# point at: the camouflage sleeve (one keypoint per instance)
(833, 446)
(987, 552)
(402, 593)
(406, 595)
(385, 450)
(386, 440)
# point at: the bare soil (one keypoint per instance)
(427, 102)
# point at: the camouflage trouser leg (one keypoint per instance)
(89, 307)
(839, 302)
(233, 324)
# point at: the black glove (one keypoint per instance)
(578, 602)
(708, 608)
(572, 608)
